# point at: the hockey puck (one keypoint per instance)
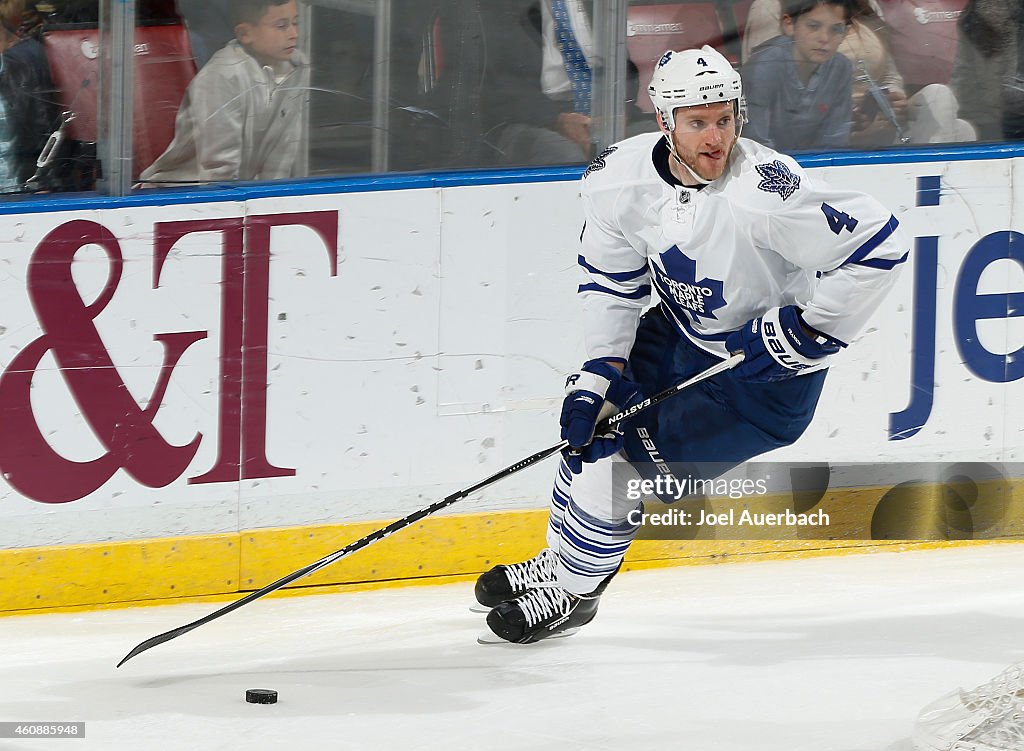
(261, 696)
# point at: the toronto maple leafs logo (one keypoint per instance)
(599, 162)
(777, 178)
(680, 290)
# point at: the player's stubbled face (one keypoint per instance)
(704, 137)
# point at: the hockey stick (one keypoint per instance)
(414, 517)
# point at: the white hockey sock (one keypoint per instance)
(559, 499)
(590, 549)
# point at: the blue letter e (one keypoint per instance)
(969, 307)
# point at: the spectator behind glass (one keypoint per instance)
(799, 87)
(491, 85)
(929, 116)
(865, 47)
(553, 115)
(546, 127)
(557, 78)
(985, 61)
(571, 113)
(242, 116)
(876, 81)
(27, 111)
(476, 82)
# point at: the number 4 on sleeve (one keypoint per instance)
(837, 220)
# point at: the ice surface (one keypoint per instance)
(820, 654)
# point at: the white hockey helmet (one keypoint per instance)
(691, 77)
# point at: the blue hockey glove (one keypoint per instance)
(598, 391)
(777, 347)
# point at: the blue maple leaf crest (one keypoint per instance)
(679, 289)
(777, 178)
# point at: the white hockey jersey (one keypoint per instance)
(763, 235)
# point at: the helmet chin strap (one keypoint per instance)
(694, 175)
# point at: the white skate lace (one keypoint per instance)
(539, 571)
(997, 709)
(546, 602)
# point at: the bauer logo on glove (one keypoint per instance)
(778, 346)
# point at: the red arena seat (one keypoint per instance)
(922, 36)
(164, 66)
(652, 29)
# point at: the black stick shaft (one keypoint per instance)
(433, 508)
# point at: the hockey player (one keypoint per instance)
(747, 254)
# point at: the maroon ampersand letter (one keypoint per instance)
(28, 462)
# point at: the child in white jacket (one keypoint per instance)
(242, 116)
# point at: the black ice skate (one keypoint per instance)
(503, 583)
(541, 613)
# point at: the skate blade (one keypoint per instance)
(489, 637)
(476, 607)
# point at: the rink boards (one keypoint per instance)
(199, 397)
